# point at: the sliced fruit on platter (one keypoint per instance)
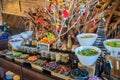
(32, 58)
(49, 38)
(63, 70)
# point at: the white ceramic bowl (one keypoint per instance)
(86, 41)
(16, 42)
(87, 60)
(113, 50)
(26, 34)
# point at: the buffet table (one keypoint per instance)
(28, 74)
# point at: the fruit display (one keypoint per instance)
(80, 74)
(50, 65)
(40, 62)
(50, 38)
(32, 58)
(88, 52)
(16, 54)
(23, 56)
(63, 70)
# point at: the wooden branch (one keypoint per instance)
(117, 13)
(1, 3)
(113, 10)
(91, 30)
(112, 24)
(107, 13)
(113, 29)
(71, 27)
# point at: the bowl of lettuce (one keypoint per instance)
(87, 55)
(86, 39)
(113, 46)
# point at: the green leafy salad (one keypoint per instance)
(88, 52)
(88, 36)
(113, 44)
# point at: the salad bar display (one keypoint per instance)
(59, 64)
(85, 62)
(59, 42)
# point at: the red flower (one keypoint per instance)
(58, 28)
(56, 2)
(65, 14)
(40, 20)
(93, 23)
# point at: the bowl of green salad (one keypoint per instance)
(86, 39)
(87, 55)
(113, 46)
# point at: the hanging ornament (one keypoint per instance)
(82, 11)
(65, 14)
(93, 23)
(40, 20)
(59, 28)
(82, 6)
(49, 7)
(87, 13)
(56, 1)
